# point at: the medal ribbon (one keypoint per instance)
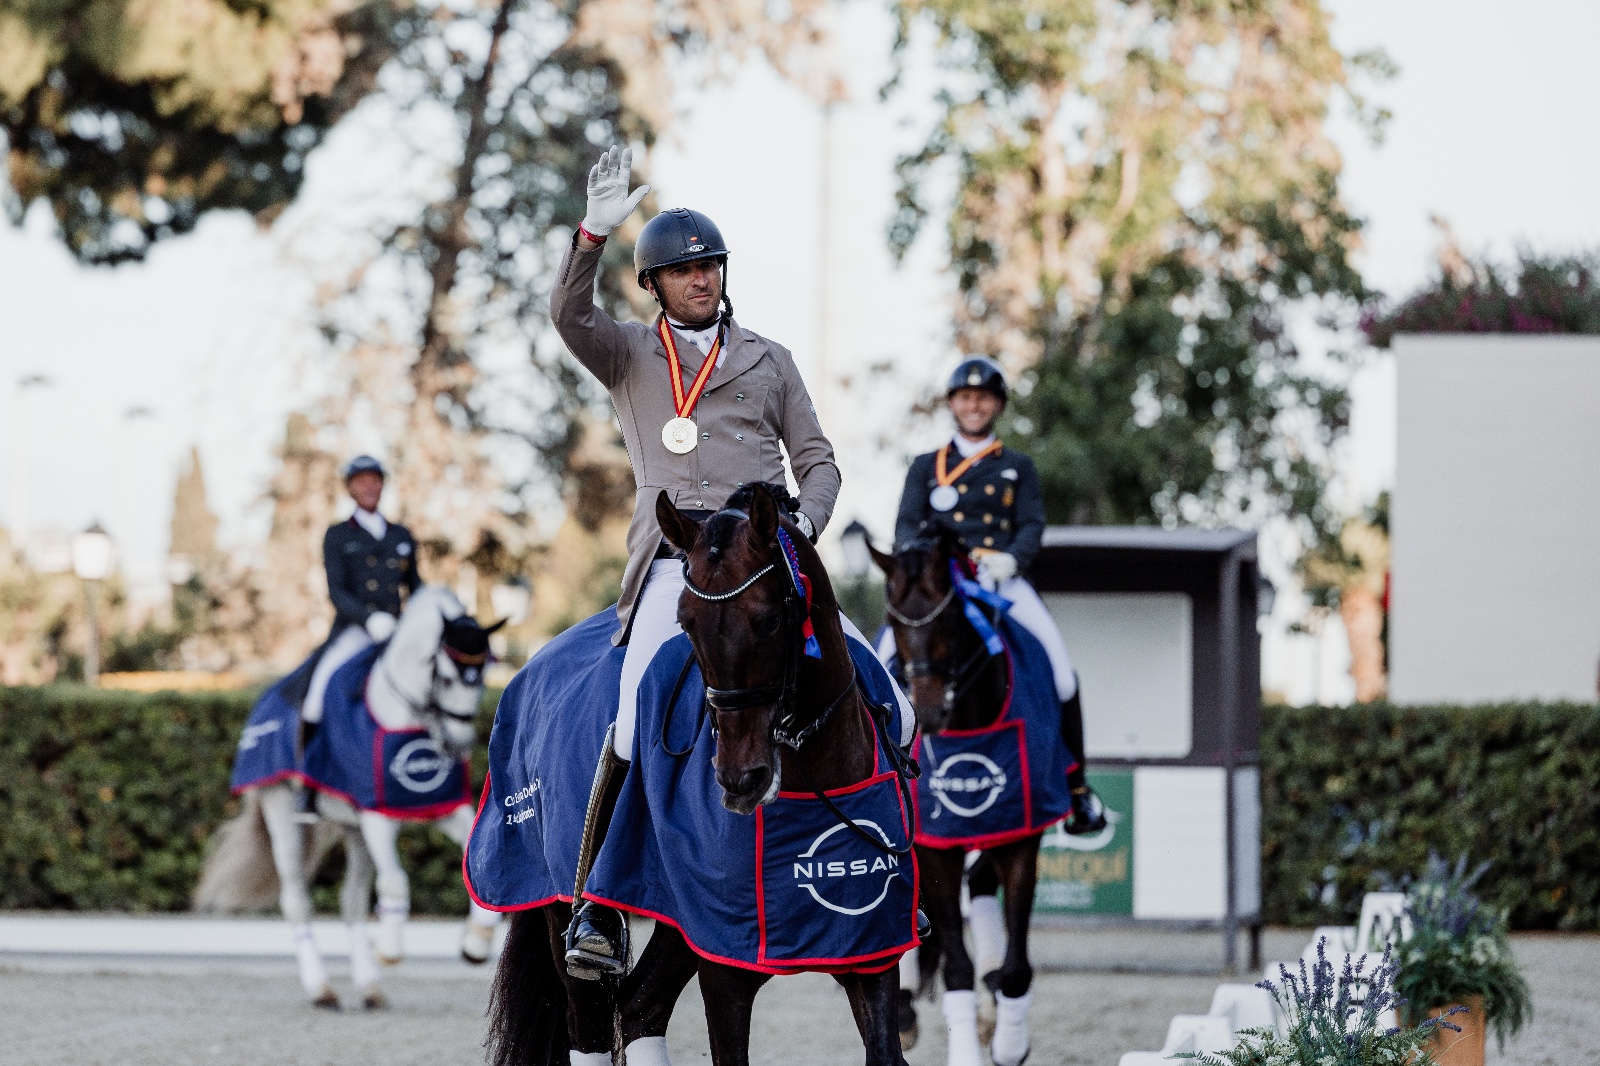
(968, 591)
(965, 465)
(684, 403)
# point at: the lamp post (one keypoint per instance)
(91, 561)
(857, 557)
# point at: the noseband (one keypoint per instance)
(785, 728)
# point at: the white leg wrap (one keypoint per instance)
(1011, 1043)
(961, 1029)
(988, 934)
(648, 1051)
(391, 931)
(910, 971)
(590, 1058)
(363, 967)
(313, 973)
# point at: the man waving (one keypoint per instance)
(704, 405)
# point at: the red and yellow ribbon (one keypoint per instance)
(966, 464)
(683, 402)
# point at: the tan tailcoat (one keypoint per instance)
(754, 400)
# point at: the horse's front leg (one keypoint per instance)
(591, 1005)
(874, 1000)
(942, 870)
(382, 835)
(650, 992)
(1018, 864)
(294, 900)
(478, 936)
(729, 994)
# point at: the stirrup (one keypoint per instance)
(592, 954)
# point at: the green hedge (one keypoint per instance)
(1353, 800)
(107, 800)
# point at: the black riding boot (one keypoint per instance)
(1088, 814)
(597, 939)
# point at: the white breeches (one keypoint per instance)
(655, 621)
(351, 641)
(1029, 611)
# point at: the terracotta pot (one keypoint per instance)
(1466, 1047)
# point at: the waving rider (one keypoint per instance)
(371, 565)
(704, 405)
(989, 496)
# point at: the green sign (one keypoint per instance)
(1092, 874)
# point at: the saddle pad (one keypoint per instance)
(735, 885)
(983, 787)
(543, 750)
(267, 751)
(400, 773)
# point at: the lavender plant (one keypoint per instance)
(1459, 949)
(1333, 1020)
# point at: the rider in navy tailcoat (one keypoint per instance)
(989, 496)
(372, 566)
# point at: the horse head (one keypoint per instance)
(435, 664)
(931, 634)
(745, 619)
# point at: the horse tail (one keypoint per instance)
(239, 874)
(528, 1001)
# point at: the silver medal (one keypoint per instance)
(943, 498)
(678, 435)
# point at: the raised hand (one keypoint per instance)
(610, 203)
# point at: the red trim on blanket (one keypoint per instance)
(467, 881)
(271, 779)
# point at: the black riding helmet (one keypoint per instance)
(680, 235)
(977, 372)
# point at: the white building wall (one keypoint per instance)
(1496, 519)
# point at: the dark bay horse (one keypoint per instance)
(780, 716)
(956, 684)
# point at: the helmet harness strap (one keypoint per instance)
(726, 315)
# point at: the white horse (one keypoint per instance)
(421, 681)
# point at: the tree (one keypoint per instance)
(1144, 191)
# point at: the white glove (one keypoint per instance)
(380, 626)
(609, 200)
(996, 568)
(805, 525)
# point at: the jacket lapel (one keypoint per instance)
(743, 352)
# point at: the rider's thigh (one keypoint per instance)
(350, 641)
(655, 621)
(1029, 611)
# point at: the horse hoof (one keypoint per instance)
(374, 999)
(985, 1027)
(326, 999)
(908, 1037)
(391, 960)
(475, 944)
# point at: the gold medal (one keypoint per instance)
(678, 435)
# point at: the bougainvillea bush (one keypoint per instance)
(1541, 294)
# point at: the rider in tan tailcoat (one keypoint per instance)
(737, 397)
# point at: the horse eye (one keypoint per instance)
(768, 624)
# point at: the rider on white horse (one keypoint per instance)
(371, 565)
(989, 496)
(704, 405)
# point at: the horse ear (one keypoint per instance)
(763, 518)
(680, 530)
(884, 560)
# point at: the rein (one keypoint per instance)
(958, 682)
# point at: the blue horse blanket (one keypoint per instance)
(400, 773)
(1008, 780)
(788, 889)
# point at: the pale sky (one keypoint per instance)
(1493, 129)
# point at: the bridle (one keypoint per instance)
(786, 729)
(428, 707)
(957, 682)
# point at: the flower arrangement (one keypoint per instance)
(1333, 1020)
(1459, 952)
(1543, 294)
